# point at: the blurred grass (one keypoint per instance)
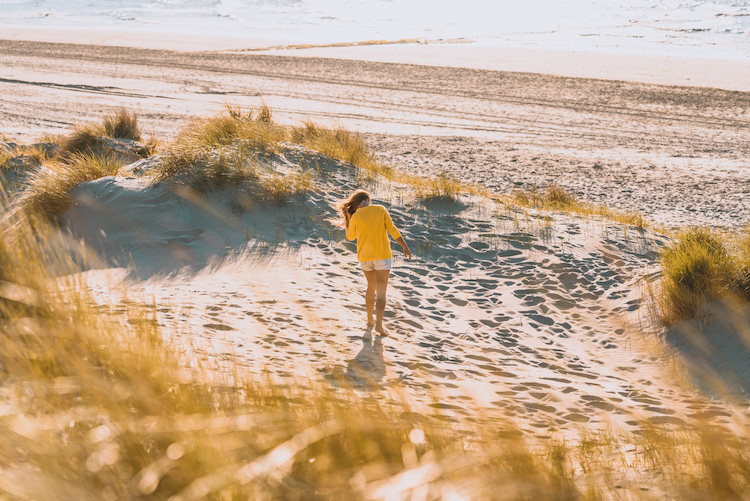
(82, 156)
(122, 125)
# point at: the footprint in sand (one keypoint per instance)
(575, 417)
(218, 327)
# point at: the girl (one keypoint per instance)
(370, 225)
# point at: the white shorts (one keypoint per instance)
(379, 265)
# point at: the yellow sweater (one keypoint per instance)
(369, 226)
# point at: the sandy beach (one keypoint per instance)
(541, 318)
(677, 154)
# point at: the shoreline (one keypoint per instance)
(658, 70)
(726, 74)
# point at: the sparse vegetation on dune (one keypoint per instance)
(24, 156)
(339, 143)
(5, 156)
(255, 133)
(47, 192)
(84, 138)
(96, 409)
(88, 138)
(228, 149)
(557, 199)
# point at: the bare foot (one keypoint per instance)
(370, 323)
(380, 330)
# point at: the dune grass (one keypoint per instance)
(99, 408)
(47, 194)
(702, 265)
(85, 138)
(341, 144)
(5, 157)
(227, 149)
(82, 157)
(555, 198)
(256, 132)
(122, 125)
(24, 156)
(94, 408)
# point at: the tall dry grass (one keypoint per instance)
(95, 408)
(86, 138)
(47, 193)
(255, 131)
(122, 125)
(5, 157)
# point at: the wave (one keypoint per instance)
(715, 25)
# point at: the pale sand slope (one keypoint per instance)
(522, 316)
(677, 154)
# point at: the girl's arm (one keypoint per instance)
(396, 235)
(407, 252)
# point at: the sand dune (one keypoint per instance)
(528, 316)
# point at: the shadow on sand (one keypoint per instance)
(364, 371)
(716, 348)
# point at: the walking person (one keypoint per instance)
(370, 225)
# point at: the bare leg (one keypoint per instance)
(370, 295)
(381, 277)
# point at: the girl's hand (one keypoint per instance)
(407, 252)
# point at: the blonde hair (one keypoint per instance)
(349, 207)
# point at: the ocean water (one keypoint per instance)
(718, 29)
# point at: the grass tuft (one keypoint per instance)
(122, 125)
(265, 115)
(83, 139)
(341, 144)
(440, 187)
(87, 138)
(99, 409)
(5, 157)
(700, 266)
(281, 188)
(218, 170)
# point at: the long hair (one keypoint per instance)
(349, 207)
